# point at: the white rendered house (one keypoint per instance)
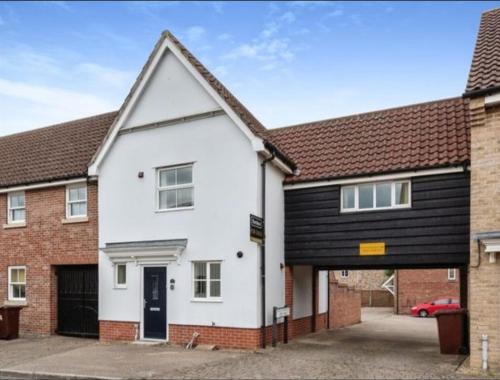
(180, 173)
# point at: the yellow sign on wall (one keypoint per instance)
(372, 249)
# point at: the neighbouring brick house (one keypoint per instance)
(48, 221)
(414, 286)
(483, 92)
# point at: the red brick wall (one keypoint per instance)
(230, 337)
(345, 305)
(221, 336)
(44, 243)
(118, 331)
(422, 285)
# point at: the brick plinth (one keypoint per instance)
(226, 337)
(231, 337)
(43, 244)
(118, 331)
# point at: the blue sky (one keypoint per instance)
(288, 62)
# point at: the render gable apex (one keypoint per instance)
(239, 114)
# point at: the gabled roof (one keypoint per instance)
(57, 152)
(241, 112)
(420, 136)
(484, 74)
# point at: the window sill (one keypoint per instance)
(75, 220)
(395, 208)
(175, 209)
(117, 287)
(204, 300)
(15, 303)
(14, 225)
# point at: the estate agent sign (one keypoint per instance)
(256, 229)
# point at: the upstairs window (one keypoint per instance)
(344, 274)
(16, 207)
(175, 187)
(375, 196)
(76, 201)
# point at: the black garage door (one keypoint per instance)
(77, 301)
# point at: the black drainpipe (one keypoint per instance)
(263, 250)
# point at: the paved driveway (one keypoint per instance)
(383, 346)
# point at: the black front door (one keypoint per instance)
(77, 301)
(155, 302)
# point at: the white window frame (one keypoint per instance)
(453, 273)
(10, 208)
(374, 207)
(208, 298)
(174, 187)
(344, 274)
(10, 283)
(69, 202)
(118, 285)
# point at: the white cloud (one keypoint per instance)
(244, 51)
(312, 4)
(39, 88)
(106, 75)
(195, 33)
(336, 13)
(225, 37)
(271, 47)
(301, 32)
(59, 4)
(288, 17)
(53, 97)
(267, 50)
(269, 30)
(26, 106)
(221, 71)
(218, 6)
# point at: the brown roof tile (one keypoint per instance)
(426, 135)
(485, 69)
(52, 153)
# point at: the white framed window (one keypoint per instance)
(344, 274)
(175, 188)
(76, 201)
(16, 204)
(17, 283)
(376, 196)
(452, 274)
(207, 280)
(120, 275)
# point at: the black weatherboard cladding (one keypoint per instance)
(434, 232)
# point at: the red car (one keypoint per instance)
(429, 308)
